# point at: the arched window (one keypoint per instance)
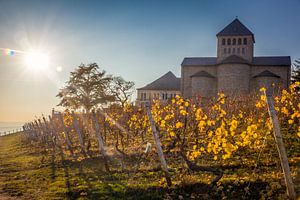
(239, 41)
(238, 50)
(228, 41)
(229, 50)
(223, 41)
(243, 50)
(225, 50)
(245, 41)
(233, 50)
(234, 41)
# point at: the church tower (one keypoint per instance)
(235, 39)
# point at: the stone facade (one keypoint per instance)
(235, 71)
(235, 45)
(149, 95)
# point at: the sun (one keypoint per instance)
(36, 61)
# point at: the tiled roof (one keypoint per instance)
(266, 73)
(211, 61)
(235, 28)
(203, 74)
(167, 82)
(199, 61)
(272, 60)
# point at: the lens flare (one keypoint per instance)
(59, 69)
(9, 52)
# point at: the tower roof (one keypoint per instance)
(235, 28)
(166, 82)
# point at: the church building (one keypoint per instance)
(235, 70)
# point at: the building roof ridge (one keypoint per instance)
(168, 81)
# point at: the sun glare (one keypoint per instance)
(36, 61)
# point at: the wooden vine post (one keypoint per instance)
(57, 140)
(280, 146)
(31, 126)
(100, 140)
(79, 132)
(66, 132)
(38, 130)
(158, 145)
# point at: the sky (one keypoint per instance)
(137, 39)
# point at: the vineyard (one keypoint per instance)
(221, 148)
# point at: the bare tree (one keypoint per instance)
(121, 90)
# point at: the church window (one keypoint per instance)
(234, 41)
(233, 50)
(223, 41)
(225, 50)
(238, 50)
(143, 96)
(229, 50)
(245, 41)
(239, 41)
(243, 50)
(228, 41)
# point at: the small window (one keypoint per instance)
(229, 50)
(239, 41)
(233, 50)
(223, 41)
(245, 41)
(243, 50)
(228, 41)
(225, 50)
(166, 95)
(234, 41)
(143, 96)
(238, 50)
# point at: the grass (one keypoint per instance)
(30, 172)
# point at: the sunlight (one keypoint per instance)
(36, 61)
